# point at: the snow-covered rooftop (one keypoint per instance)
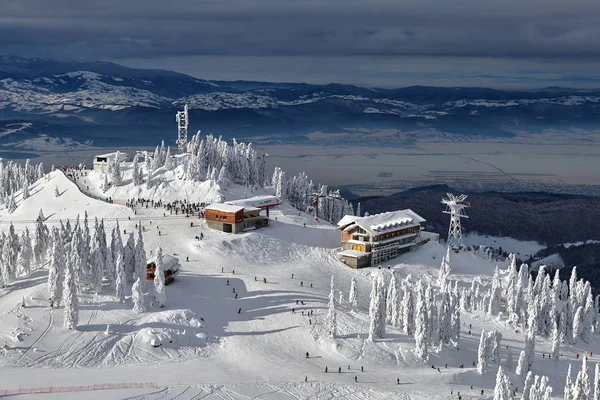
(353, 253)
(228, 208)
(256, 201)
(168, 261)
(109, 155)
(385, 222)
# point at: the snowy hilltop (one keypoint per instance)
(111, 279)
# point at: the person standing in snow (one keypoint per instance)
(240, 311)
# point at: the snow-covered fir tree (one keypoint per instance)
(444, 318)
(555, 344)
(25, 188)
(421, 320)
(11, 206)
(26, 254)
(10, 256)
(352, 296)
(392, 299)
(105, 184)
(169, 160)
(129, 258)
(331, 314)
(70, 299)
(377, 309)
(137, 296)
(116, 176)
(137, 175)
(597, 382)
(408, 310)
(503, 389)
(55, 270)
(159, 279)
(121, 278)
(496, 294)
(445, 269)
(42, 239)
(568, 391)
(482, 353)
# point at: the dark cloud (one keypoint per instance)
(150, 28)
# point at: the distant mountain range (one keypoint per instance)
(105, 104)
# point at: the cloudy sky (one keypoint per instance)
(391, 43)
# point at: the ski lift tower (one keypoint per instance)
(182, 128)
(455, 206)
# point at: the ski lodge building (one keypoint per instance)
(101, 161)
(369, 240)
(262, 202)
(233, 218)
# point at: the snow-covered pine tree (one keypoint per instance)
(105, 184)
(352, 296)
(42, 239)
(444, 318)
(137, 295)
(443, 272)
(116, 175)
(408, 311)
(577, 324)
(26, 253)
(421, 320)
(25, 188)
(137, 174)
(482, 354)
(98, 257)
(159, 279)
(455, 323)
(522, 365)
(527, 386)
(140, 256)
(331, 315)
(496, 294)
(392, 299)
(129, 258)
(10, 255)
(597, 382)
(568, 391)
(588, 318)
(121, 278)
(169, 160)
(555, 344)
(70, 300)
(358, 210)
(11, 206)
(502, 390)
(55, 271)
(587, 387)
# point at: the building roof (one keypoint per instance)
(169, 262)
(228, 208)
(251, 209)
(353, 253)
(382, 223)
(256, 201)
(110, 155)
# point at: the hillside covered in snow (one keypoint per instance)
(270, 313)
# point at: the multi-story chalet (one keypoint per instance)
(372, 239)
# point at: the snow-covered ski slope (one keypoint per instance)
(210, 350)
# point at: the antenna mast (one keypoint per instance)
(455, 206)
(182, 127)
